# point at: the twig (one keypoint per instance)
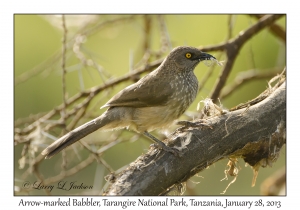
(147, 23)
(165, 37)
(230, 26)
(63, 66)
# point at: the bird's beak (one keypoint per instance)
(205, 56)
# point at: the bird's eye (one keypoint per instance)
(188, 55)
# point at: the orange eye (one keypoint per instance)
(188, 55)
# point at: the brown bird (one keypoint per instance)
(155, 101)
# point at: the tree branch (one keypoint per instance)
(276, 29)
(255, 134)
(233, 47)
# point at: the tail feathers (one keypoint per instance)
(73, 136)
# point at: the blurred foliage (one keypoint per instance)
(112, 47)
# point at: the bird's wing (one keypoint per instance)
(147, 92)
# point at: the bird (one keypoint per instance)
(153, 102)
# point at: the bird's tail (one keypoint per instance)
(76, 135)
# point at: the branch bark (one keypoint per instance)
(255, 134)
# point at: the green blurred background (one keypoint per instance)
(38, 37)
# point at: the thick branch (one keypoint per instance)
(255, 134)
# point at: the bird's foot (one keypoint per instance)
(161, 145)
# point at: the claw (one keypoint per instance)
(161, 145)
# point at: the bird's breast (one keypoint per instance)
(185, 91)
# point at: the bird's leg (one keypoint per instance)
(162, 145)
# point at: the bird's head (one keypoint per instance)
(186, 57)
